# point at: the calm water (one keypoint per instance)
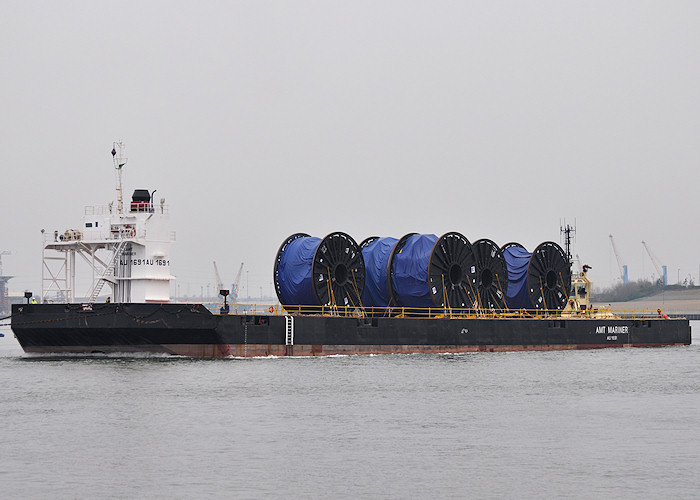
(587, 424)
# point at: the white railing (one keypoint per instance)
(107, 210)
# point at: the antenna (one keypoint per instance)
(567, 231)
(119, 161)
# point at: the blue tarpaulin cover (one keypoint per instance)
(409, 273)
(294, 272)
(376, 256)
(517, 260)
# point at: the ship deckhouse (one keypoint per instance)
(126, 249)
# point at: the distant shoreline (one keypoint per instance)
(671, 302)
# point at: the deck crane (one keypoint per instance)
(620, 265)
(236, 284)
(661, 270)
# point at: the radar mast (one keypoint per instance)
(567, 233)
(119, 161)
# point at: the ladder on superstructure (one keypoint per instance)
(108, 272)
(289, 323)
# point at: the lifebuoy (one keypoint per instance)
(271, 309)
(133, 232)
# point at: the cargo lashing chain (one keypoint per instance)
(357, 292)
(331, 295)
(492, 296)
(544, 301)
(445, 298)
(471, 287)
(500, 289)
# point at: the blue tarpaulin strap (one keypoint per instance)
(376, 255)
(517, 261)
(409, 273)
(294, 272)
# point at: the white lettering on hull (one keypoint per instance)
(607, 330)
(144, 262)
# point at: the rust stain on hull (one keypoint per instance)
(266, 350)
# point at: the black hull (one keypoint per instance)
(191, 330)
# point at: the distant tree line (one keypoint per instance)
(623, 292)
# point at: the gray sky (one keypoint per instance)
(259, 119)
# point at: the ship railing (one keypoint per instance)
(427, 313)
(642, 315)
(97, 210)
(134, 208)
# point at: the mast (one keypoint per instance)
(119, 161)
(567, 231)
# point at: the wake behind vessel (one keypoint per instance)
(418, 293)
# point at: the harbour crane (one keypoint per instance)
(236, 284)
(219, 283)
(3, 252)
(620, 265)
(4, 300)
(661, 270)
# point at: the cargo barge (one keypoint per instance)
(192, 330)
(415, 294)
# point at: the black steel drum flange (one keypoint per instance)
(511, 244)
(338, 271)
(368, 240)
(492, 282)
(548, 277)
(452, 272)
(275, 273)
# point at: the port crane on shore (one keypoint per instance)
(661, 270)
(236, 284)
(620, 265)
(4, 299)
(219, 283)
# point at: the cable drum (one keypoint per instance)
(517, 259)
(292, 273)
(376, 253)
(492, 281)
(311, 271)
(427, 271)
(537, 280)
(549, 277)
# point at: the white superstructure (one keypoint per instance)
(127, 249)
